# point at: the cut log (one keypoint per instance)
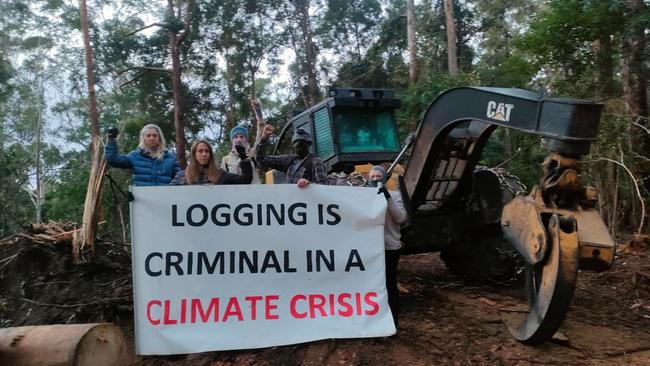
(63, 344)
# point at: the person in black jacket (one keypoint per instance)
(301, 168)
(202, 168)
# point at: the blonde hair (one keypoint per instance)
(194, 169)
(159, 151)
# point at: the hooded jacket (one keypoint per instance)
(147, 171)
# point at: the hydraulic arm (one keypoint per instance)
(555, 229)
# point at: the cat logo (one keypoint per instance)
(499, 111)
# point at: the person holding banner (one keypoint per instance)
(395, 218)
(230, 163)
(202, 168)
(152, 164)
(302, 167)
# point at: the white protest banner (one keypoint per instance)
(236, 267)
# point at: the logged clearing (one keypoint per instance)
(444, 320)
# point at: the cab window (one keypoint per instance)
(366, 131)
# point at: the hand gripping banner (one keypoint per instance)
(236, 267)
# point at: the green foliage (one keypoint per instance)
(36, 42)
(513, 71)
(520, 153)
(13, 179)
(235, 51)
(66, 195)
(173, 24)
(561, 35)
(416, 99)
(349, 26)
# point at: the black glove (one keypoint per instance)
(113, 132)
(241, 151)
(348, 169)
(384, 190)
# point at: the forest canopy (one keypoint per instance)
(199, 62)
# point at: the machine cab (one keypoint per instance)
(354, 126)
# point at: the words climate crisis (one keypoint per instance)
(246, 214)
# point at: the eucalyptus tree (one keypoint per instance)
(575, 42)
(240, 35)
(412, 45)
(297, 19)
(590, 49)
(350, 26)
(29, 36)
(178, 24)
(452, 38)
(501, 24)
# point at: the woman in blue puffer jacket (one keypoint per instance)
(152, 164)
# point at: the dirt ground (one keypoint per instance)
(444, 320)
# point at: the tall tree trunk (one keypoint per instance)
(37, 156)
(452, 39)
(603, 48)
(231, 108)
(357, 41)
(412, 46)
(255, 126)
(635, 87)
(39, 85)
(90, 76)
(177, 90)
(310, 51)
(253, 71)
(175, 41)
(86, 238)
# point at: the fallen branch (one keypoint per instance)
(67, 306)
(627, 351)
(9, 260)
(50, 233)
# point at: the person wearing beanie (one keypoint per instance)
(301, 167)
(395, 218)
(230, 162)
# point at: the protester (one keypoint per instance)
(395, 217)
(202, 168)
(152, 164)
(230, 162)
(301, 168)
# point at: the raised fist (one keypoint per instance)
(113, 132)
(267, 132)
(241, 151)
(383, 190)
